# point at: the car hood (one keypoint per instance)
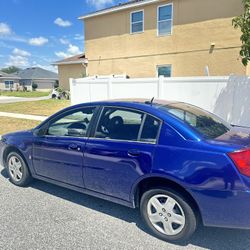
(237, 136)
(23, 133)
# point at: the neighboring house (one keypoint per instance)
(72, 67)
(43, 78)
(8, 81)
(171, 38)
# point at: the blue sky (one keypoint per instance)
(39, 32)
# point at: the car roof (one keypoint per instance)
(133, 102)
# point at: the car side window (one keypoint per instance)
(74, 123)
(119, 124)
(150, 129)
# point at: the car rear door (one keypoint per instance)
(58, 154)
(120, 150)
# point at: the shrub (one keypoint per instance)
(34, 86)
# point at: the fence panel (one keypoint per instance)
(228, 97)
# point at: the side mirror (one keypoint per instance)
(41, 131)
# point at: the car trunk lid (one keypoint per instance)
(237, 136)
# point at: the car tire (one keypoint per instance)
(17, 169)
(168, 214)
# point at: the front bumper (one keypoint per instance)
(2, 148)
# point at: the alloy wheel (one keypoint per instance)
(15, 168)
(166, 214)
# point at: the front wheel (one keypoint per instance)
(168, 215)
(17, 169)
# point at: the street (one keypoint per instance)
(44, 216)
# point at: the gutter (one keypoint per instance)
(117, 8)
(70, 62)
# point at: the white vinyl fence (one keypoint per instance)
(228, 97)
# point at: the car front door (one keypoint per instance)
(119, 151)
(58, 153)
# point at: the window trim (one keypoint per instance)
(60, 115)
(163, 65)
(171, 31)
(93, 132)
(10, 82)
(131, 23)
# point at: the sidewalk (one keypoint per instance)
(23, 116)
(12, 99)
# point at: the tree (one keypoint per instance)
(11, 70)
(243, 22)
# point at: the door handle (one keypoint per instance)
(133, 153)
(74, 147)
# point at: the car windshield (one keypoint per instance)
(205, 123)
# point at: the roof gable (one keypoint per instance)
(5, 75)
(77, 59)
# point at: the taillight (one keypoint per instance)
(242, 161)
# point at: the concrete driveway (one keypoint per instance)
(11, 99)
(44, 216)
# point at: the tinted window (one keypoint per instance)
(207, 124)
(150, 129)
(165, 20)
(164, 70)
(73, 124)
(119, 124)
(137, 22)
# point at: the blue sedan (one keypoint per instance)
(177, 163)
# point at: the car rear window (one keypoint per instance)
(205, 123)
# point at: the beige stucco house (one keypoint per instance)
(72, 67)
(171, 38)
(8, 81)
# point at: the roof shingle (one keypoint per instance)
(37, 73)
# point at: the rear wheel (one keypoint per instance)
(17, 169)
(168, 215)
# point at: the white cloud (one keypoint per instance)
(64, 41)
(5, 45)
(62, 23)
(18, 61)
(99, 3)
(38, 41)
(47, 67)
(18, 58)
(7, 34)
(78, 37)
(19, 52)
(5, 29)
(72, 50)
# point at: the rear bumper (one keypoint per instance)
(229, 209)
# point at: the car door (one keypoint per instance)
(58, 152)
(120, 150)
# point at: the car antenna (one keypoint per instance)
(150, 102)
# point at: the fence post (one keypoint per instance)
(160, 87)
(110, 82)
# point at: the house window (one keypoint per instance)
(137, 22)
(164, 70)
(9, 84)
(165, 20)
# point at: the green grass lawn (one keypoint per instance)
(43, 107)
(8, 125)
(25, 94)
